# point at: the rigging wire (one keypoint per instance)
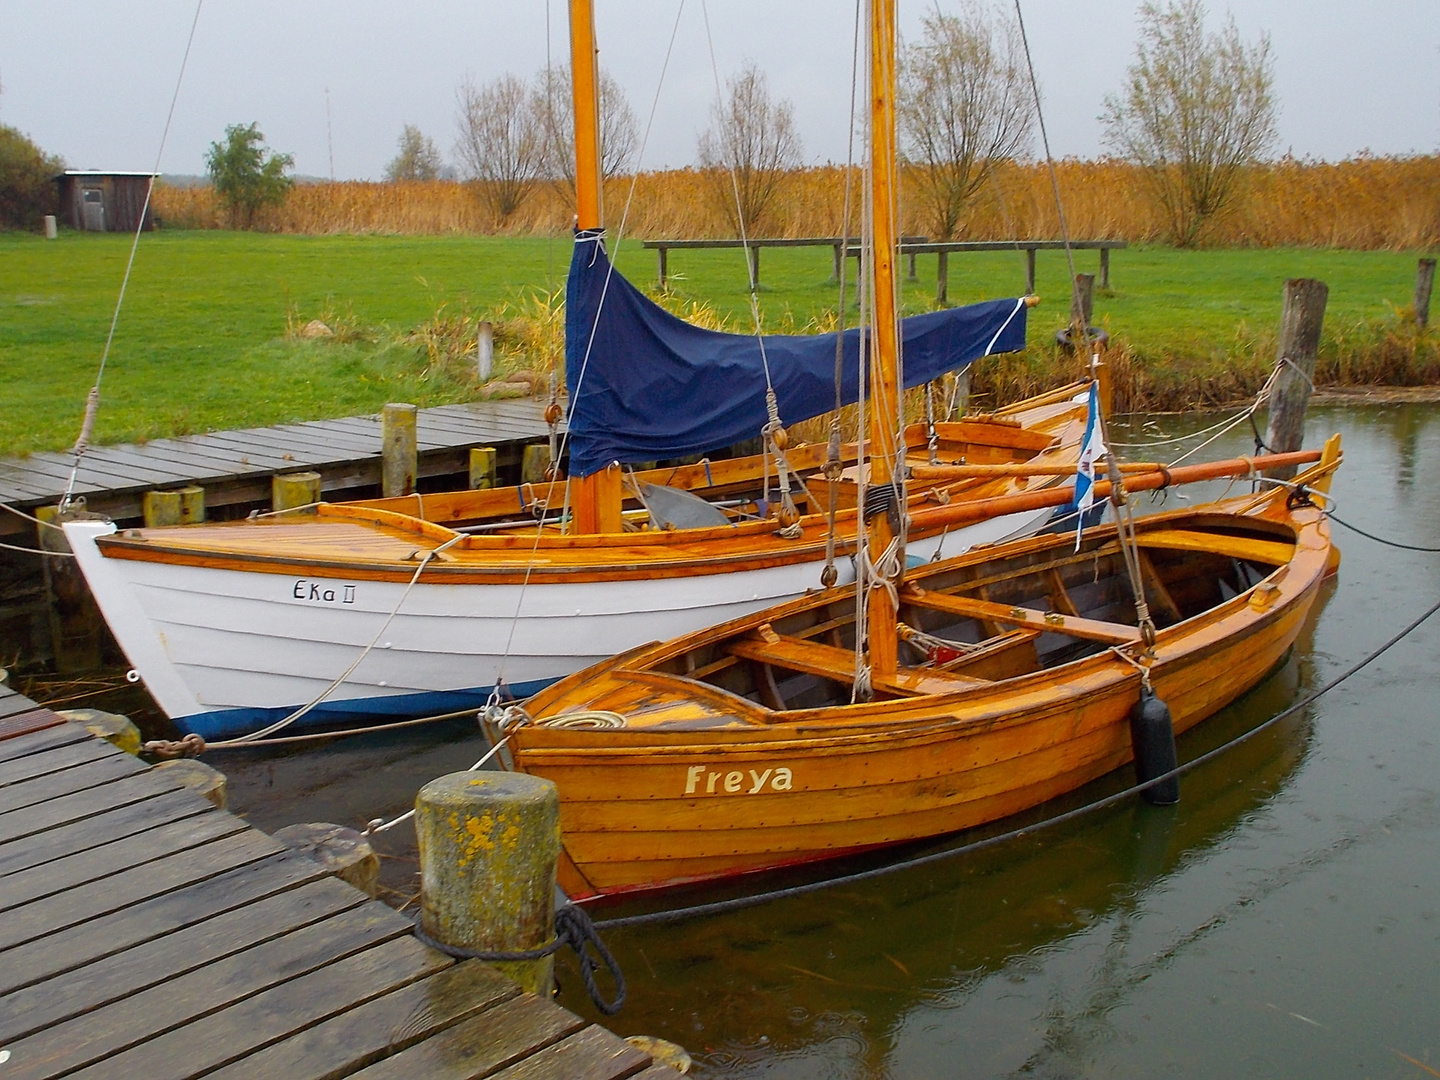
(92, 401)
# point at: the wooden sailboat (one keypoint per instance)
(430, 602)
(919, 701)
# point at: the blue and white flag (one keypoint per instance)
(1092, 447)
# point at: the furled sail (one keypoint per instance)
(646, 384)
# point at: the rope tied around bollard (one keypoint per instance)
(572, 927)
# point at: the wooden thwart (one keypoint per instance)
(1050, 622)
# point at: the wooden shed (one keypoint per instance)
(104, 201)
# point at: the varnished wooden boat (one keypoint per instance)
(739, 749)
(233, 625)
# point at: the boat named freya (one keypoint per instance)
(746, 747)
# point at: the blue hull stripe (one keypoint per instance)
(231, 723)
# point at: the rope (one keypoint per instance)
(369, 729)
(1382, 540)
(741, 902)
(379, 825)
(573, 927)
(92, 400)
(37, 551)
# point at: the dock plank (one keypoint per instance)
(143, 1019)
(50, 1001)
(38, 765)
(228, 1035)
(106, 827)
(82, 804)
(495, 1039)
(591, 1054)
(43, 917)
(18, 716)
(68, 781)
(152, 919)
(386, 1025)
(78, 868)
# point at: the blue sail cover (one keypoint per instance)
(650, 385)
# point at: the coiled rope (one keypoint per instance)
(573, 927)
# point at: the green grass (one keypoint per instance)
(201, 342)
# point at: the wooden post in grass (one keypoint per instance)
(1301, 318)
(942, 277)
(485, 351)
(1082, 302)
(398, 450)
(294, 490)
(482, 467)
(489, 845)
(1424, 281)
(161, 508)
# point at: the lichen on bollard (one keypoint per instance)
(489, 843)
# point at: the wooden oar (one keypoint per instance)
(979, 509)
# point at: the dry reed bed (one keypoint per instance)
(1367, 203)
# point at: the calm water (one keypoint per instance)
(1283, 920)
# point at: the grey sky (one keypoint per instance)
(92, 80)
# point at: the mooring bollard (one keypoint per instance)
(534, 463)
(294, 490)
(1301, 319)
(192, 505)
(489, 843)
(344, 852)
(482, 467)
(115, 729)
(198, 777)
(76, 626)
(161, 508)
(398, 449)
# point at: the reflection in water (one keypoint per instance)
(1280, 921)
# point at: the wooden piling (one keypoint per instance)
(76, 625)
(1424, 281)
(161, 508)
(398, 449)
(489, 844)
(534, 463)
(343, 852)
(485, 351)
(192, 505)
(293, 490)
(482, 467)
(200, 778)
(119, 731)
(1082, 302)
(942, 277)
(1301, 319)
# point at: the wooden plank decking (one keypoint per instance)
(236, 466)
(145, 933)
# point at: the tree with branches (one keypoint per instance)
(619, 129)
(247, 175)
(964, 107)
(501, 140)
(1198, 109)
(418, 159)
(748, 148)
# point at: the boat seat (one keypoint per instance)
(1044, 621)
(831, 662)
(1270, 552)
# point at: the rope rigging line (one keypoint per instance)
(742, 902)
(1381, 539)
(92, 400)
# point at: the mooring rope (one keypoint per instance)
(741, 902)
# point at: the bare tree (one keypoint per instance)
(418, 158)
(750, 145)
(501, 140)
(619, 130)
(964, 107)
(1198, 109)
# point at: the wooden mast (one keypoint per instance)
(884, 348)
(594, 499)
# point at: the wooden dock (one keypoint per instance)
(235, 467)
(145, 933)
